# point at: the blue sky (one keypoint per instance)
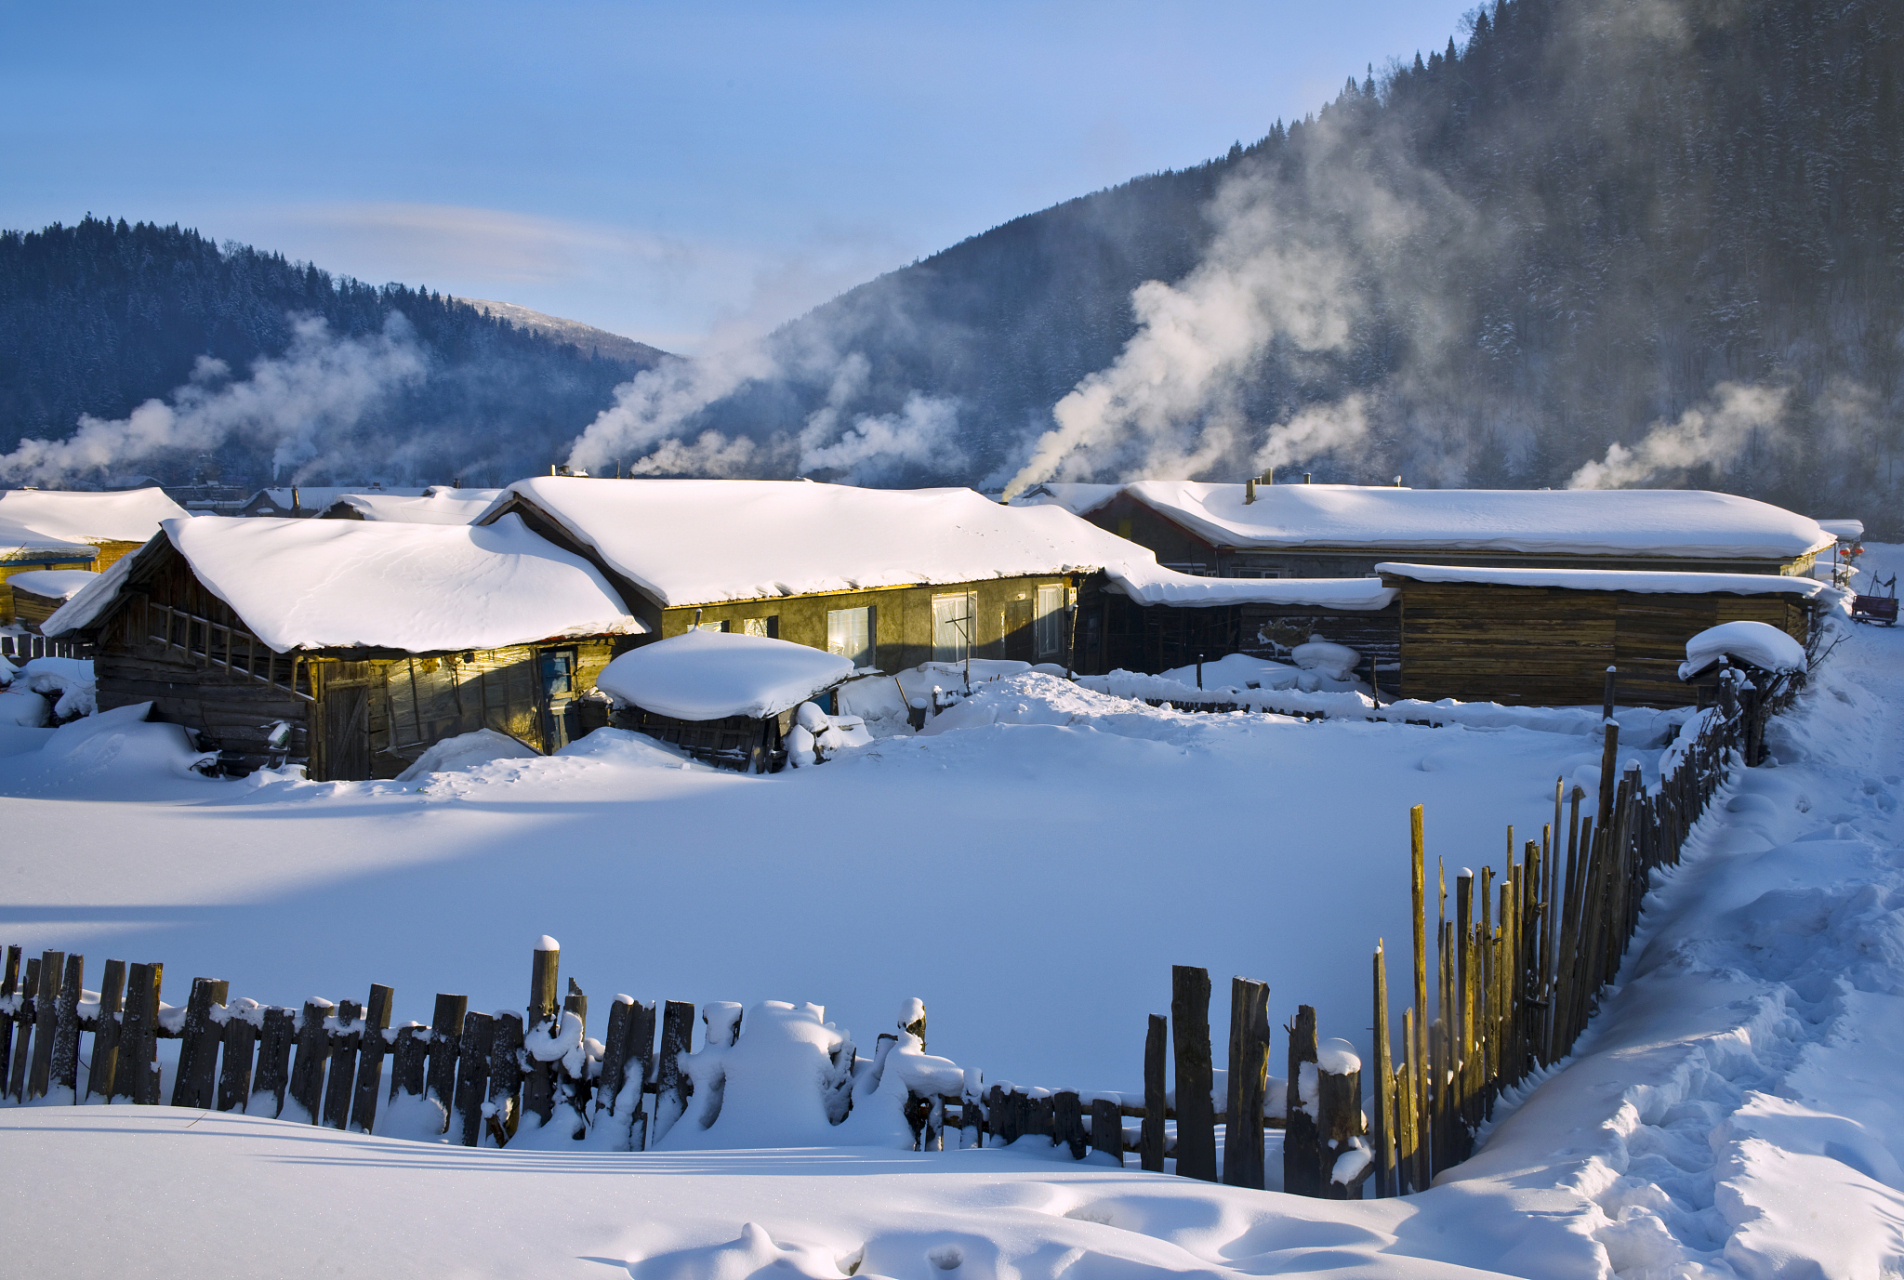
(676, 173)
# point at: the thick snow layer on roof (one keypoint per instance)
(710, 675)
(18, 540)
(1843, 530)
(1650, 582)
(1147, 582)
(440, 504)
(133, 515)
(1662, 522)
(1758, 643)
(54, 584)
(320, 584)
(700, 541)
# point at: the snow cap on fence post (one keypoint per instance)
(912, 1019)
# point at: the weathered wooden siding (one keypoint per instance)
(28, 564)
(902, 624)
(1158, 638)
(1551, 646)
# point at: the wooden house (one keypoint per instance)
(893, 578)
(352, 646)
(22, 551)
(112, 524)
(1547, 636)
(1331, 530)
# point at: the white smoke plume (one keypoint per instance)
(655, 413)
(1315, 429)
(320, 385)
(1713, 434)
(1289, 271)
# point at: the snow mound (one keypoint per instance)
(710, 675)
(466, 751)
(64, 683)
(121, 740)
(780, 1084)
(1337, 661)
(1758, 643)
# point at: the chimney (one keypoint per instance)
(1269, 475)
(1398, 482)
(1249, 492)
(294, 500)
(1305, 477)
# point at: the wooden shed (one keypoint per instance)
(38, 594)
(113, 524)
(351, 646)
(22, 551)
(1546, 636)
(1334, 530)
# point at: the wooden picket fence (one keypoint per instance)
(28, 645)
(1517, 982)
(324, 1063)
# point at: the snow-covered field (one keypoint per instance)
(1031, 875)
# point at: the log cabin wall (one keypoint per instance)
(1005, 612)
(29, 564)
(1551, 646)
(178, 646)
(1157, 638)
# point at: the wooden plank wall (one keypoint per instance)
(1551, 646)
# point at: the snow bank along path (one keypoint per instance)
(1739, 1081)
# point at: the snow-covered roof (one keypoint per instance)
(314, 497)
(53, 584)
(1758, 643)
(1843, 530)
(1675, 522)
(439, 504)
(1075, 497)
(18, 540)
(419, 588)
(710, 675)
(688, 542)
(132, 515)
(1646, 581)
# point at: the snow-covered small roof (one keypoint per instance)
(418, 588)
(711, 675)
(1758, 643)
(1075, 497)
(316, 497)
(439, 504)
(132, 515)
(1675, 522)
(18, 540)
(1843, 530)
(688, 542)
(1646, 581)
(53, 584)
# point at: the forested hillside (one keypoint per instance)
(1677, 225)
(396, 384)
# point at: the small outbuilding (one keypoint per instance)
(38, 594)
(729, 699)
(1547, 636)
(353, 646)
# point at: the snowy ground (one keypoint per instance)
(1733, 1112)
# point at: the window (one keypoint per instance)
(1048, 622)
(952, 618)
(710, 626)
(1124, 529)
(768, 626)
(849, 633)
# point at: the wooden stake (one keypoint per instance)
(1196, 1117)
(1384, 1085)
(1150, 1142)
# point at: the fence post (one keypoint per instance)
(1150, 1141)
(1418, 1043)
(1107, 1128)
(138, 1074)
(472, 1074)
(344, 1040)
(313, 1052)
(234, 1081)
(1067, 1123)
(1248, 1077)
(1384, 1086)
(363, 1109)
(9, 986)
(446, 1038)
(1300, 1135)
(65, 1056)
(505, 1078)
(198, 1044)
(112, 987)
(45, 1017)
(538, 1093)
(1339, 1123)
(677, 1037)
(274, 1059)
(1196, 1119)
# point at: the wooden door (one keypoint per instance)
(1018, 634)
(346, 717)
